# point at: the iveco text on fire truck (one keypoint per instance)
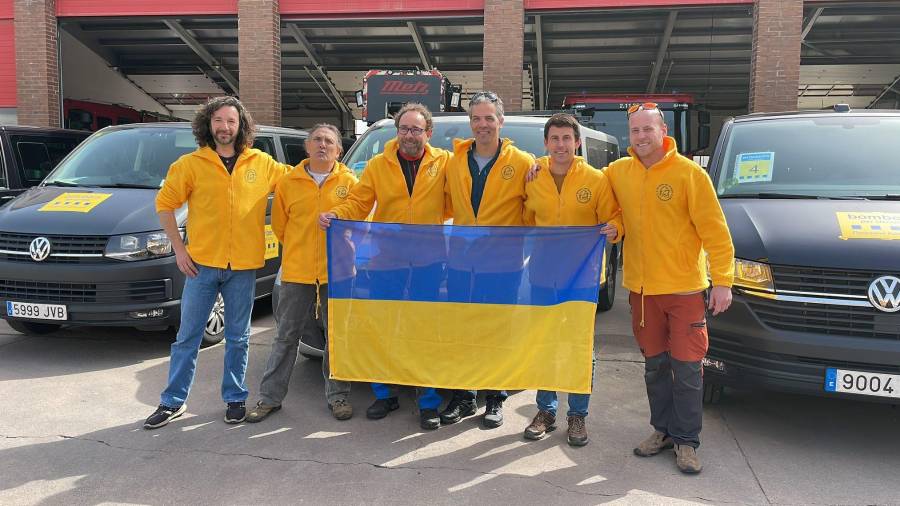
(385, 91)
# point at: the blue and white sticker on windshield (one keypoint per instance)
(754, 167)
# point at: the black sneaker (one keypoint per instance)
(381, 407)
(429, 419)
(458, 409)
(163, 415)
(493, 413)
(236, 412)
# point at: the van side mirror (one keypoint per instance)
(702, 137)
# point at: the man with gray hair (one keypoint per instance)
(486, 183)
(407, 183)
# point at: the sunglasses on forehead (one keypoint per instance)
(646, 106)
(490, 95)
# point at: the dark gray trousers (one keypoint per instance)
(296, 304)
(675, 392)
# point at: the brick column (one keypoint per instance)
(259, 59)
(775, 60)
(504, 50)
(37, 63)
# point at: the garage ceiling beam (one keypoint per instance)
(884, 92)
(204, 55)
(420, 45)
(810, 22)
(317, 63)
(661, 51)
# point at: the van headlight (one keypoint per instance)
(132, 247)
(755, 275)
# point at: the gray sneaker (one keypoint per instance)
(341, 409)
(687, 460)
(654, 444)
(261, 412)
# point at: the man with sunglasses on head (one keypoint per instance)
(672, 217)
(486, 183)
(406, 182)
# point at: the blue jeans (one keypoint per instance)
(197, 299)
(578, 403)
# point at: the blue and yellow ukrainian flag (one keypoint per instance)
(463, 307)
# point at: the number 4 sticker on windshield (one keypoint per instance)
(754, 167)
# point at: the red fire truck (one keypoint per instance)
(606, 112)
(385, 91)
(92, 116)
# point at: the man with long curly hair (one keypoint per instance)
(226, 184)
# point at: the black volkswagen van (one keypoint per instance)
(86, 247)
(812, 200)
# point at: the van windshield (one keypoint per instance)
(831, 157)
(128, 157)
(527, 137)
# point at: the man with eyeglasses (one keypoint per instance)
(672, 217)
(406, 182)
(486, 183)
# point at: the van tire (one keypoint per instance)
(712, 392)
(32, 328)
(607, 296)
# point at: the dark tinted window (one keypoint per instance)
(838, 155)
(138, 156)
(600, 153)
(79, 119)
(38, 154)
(103, 122)
(293, 148)
(265, 144)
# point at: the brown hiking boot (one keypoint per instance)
(654, 444)
(543, 423)
(577, 431)
(261, 412)
(687, 460)
(341, 409)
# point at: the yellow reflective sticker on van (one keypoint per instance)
(884, 226)
(75, 202)
(271, 243)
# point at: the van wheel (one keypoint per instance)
(607, 295)
(215, 324)
(712, 393)
(32, 328)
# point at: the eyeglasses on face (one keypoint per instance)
(410, 130)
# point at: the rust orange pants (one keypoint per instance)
(672, 323)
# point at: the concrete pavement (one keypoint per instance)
(74, 401)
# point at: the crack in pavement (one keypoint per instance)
(320, 462)
(744, 455)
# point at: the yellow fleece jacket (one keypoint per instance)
(502, 204)
(295, 220)
(672, 215)
(382, 181)
(504, 191)
(585, 199)
(227, 212)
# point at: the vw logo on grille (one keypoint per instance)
(39, 249)
(884, 294)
